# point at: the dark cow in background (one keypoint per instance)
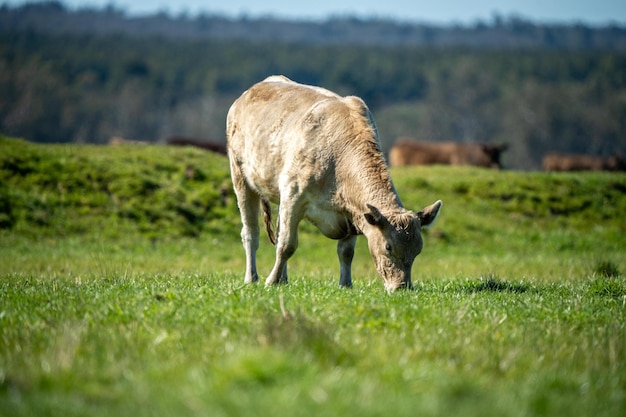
(411, 152)
(216, 147)
(577, 162)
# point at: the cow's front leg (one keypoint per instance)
(345, 251)
(287, 242)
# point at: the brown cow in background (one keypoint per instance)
(198, 143)
(410, 152)
(577, 162)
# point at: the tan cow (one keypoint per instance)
(577, 162)
(317, 155)
(411, 152)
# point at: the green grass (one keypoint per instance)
(121, 293)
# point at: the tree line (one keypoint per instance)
(500, 32)
(90, 86)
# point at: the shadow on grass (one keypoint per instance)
(609, 287)
(495, 284)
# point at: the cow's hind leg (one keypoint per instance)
(249, 204)
(345, 252)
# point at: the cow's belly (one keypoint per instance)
(332, 224)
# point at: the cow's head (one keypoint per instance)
(395, 239)
(615, 163)
(492, 154)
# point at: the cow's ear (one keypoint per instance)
(429, 214)
(373, 217)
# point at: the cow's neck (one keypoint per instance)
(367, 181)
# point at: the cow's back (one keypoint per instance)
(279, 131)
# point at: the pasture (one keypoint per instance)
(121, 293)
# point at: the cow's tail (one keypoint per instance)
(267, 218)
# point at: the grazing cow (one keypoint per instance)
(198, 143)
(410, 152)
(574, 162)
(317, 156)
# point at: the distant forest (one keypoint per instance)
(87, 75)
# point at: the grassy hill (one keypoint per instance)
(121, 293)
(159, 194)
(66, 190)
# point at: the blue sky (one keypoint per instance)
(595, 12)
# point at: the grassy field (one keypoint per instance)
(121, 293)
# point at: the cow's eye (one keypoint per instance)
(388, 247)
